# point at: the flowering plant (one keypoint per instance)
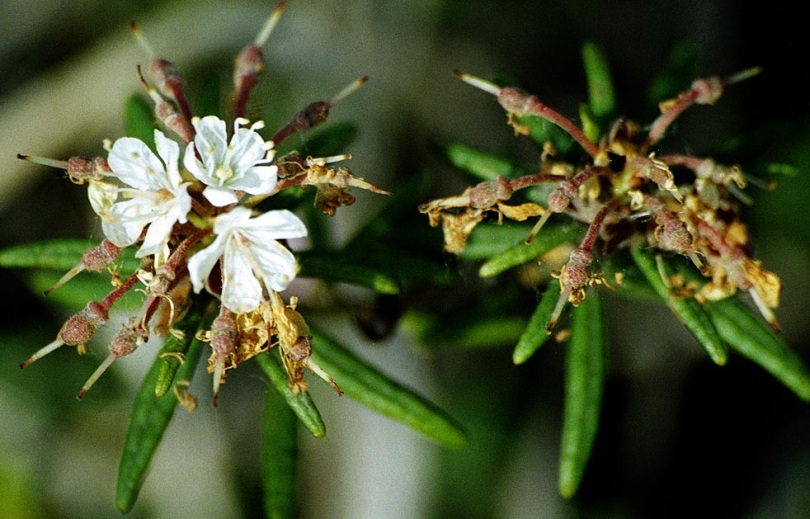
(199, 214)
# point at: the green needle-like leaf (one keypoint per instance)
(751, 337)
(584, 381)
(601, 98)
(279, 457)
(521, 252)
(535, 334)
(331, 266)
(140, 120)
(480, 164)
(57, 255)
(300, 403)
(364, 383)
(489, 239)
(151, 416)
(688, 310)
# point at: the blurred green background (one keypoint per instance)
(678, 434)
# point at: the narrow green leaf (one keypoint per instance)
(140, 120)
(750, 336)
(479, 164)
(584, 381)
(489, 239)
(680, 69)
(332, 266)
(688, 310)
(601, 97)
(172, 355)
(364, 383)
(535, 334)
(541, 131)
(301, 403)
(78, 291)
(519, 253)
(491, 332)
(590, 126)
(150, 418)
(782, 168)
(279, 457)
(56, 254)
(61, 254)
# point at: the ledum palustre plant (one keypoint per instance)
(611, 207)
(199, 212)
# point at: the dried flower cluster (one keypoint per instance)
(626, 194)
(193, 215)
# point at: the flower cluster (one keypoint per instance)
(627, 195)
(193, 214)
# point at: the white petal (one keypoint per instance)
(202, 262)
(241, 291)
(247, 149)
(134, 164)
(277, 265)
(275, 225)
(125, 221)
(234, 219)
(258, 180)
(192, 163)
(157, 236)
(211, 140)
(102, 196)
(219, 197)
(169, 151)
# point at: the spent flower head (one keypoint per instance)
(627, 195)
(610, 207)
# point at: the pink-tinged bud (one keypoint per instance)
(708, 90)
(94, 259)
(81, 169)
(487, 194)
(128, 339)
(672, 235)
(81, 327)
(518, 102)
(76, 331)
(558, 201)
(97, 258)
(248, 65)
(125, 342)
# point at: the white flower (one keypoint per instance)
(229, 167)
(156, 196)
(251, 256)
